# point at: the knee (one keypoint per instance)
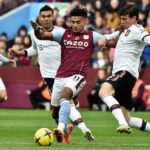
(67, 93)
(106, 89)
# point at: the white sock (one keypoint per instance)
(138, 123)
(61, 126)
(75, 115)
(117, 113)
(82, 126)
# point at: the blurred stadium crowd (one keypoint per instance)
(103, 18)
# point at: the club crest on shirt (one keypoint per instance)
(85, 37)
(127, 33)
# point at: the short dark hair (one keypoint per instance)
(46, 8)
(78, 11)
(131, 10)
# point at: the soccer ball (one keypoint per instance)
(44, 137)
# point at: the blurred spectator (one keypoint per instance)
(56, 13)
(39, 95)
(75, 3)
(18, 43)
(68, 8)
(67, 22)
(142, 18)
(3, 37)
(95, 102)
(98, 5)
(60, 21)
(90, 12)
(112, 19)
(22, 31)
(100, 62)
(26, 41)
(145, 6)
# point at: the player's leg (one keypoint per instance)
(109, 89)
(77, 120)
(106, 93)
(3, 93)
(72, 87)
(55, 97)
(136, 122)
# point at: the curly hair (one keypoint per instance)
(78, 11)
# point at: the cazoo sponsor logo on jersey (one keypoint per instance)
(76, 44)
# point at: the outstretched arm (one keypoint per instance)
(31, 51)
(40, 33)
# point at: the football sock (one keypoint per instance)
(74, 113)
(76, 118)
(64, 113)
(114, 106)
(139, 124)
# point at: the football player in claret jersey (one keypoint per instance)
(116, 91)
(49, 53)
(3, 92)
(77, 45)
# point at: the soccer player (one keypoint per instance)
(116, 91)
(3, 93)
(77, 45)
(49, 53)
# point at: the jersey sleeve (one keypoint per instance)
(58, 34)
(112, 36)
(143, 36)
(31, 51)
(3, 59)
(97, 37)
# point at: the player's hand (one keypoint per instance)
(102, 43)
(38, 30)
(13, 52)
(120, 28)
(12, 62)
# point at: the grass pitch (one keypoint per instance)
(17, 128)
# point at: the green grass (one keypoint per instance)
(17, 128)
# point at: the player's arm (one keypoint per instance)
(108, 40)
(143, 36)
(7, 60)
(99, 40)
(40, 33)
(14, 51)
(55, 35)
(112, 36)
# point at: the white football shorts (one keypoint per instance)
(76, 83)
